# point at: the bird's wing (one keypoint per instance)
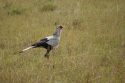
(50, 40)
(39, 43)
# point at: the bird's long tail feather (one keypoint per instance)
(26, 49)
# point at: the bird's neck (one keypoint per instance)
(57, 33)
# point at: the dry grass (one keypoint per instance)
(91, 50)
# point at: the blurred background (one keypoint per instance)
(92, 47)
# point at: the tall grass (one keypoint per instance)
(91, 48)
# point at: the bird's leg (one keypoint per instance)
(54, 51)
(47, 53)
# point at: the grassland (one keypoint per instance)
(92, 47)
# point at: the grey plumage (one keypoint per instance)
(49, 42)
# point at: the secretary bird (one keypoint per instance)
(49, 42)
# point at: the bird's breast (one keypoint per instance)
(53, 42)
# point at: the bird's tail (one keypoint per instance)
(26, 49)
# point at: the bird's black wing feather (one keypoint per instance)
(41, 43)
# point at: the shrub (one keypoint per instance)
(14, 12)
(48, 7)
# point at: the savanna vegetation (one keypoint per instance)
(92, 47)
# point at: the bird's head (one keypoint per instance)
(58, 30)
(59, 27)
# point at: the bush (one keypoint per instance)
(48, 7)
(11, 10)
(14, 12)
